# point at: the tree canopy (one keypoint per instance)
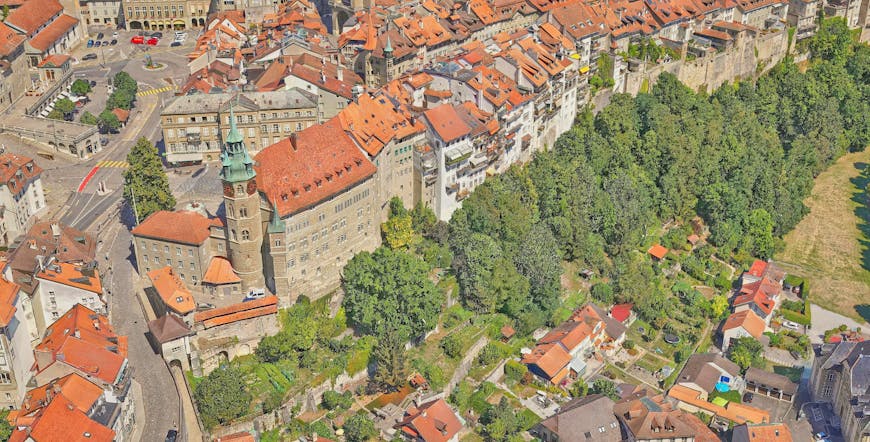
(389, 291)
(80, 87)
(146, 181)
(222, 396)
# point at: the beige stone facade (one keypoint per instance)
(164, 14)
(194, 126)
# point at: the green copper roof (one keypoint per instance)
(389, 46)
(234, 136)
(236, 163)
(275, 224)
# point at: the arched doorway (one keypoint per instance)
(135, 24)
(202, 22)
(146, 25)
(193, 22)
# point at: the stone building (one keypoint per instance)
(21, 196)
(102, 13)
(16, 355)
(841, 377)
(195, 126)
(164, 14)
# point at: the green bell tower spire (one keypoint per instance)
(236, 163)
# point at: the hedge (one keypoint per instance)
(796, 317)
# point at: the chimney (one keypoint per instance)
(77, 334)
(322, 77)
(293, 140)
(339, 73)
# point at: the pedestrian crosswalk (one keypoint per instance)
(156, 91)
(115, 164)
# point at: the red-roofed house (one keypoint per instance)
(186, 240)
(658, 252)
(48, 29)
(430, 422)
(168, 294)
(742, 324)
(62, 285)
(451, 143)
(15, 344)
(623, 313)
(82, 341)
(21, 194)
(243, 324)
(91, 412)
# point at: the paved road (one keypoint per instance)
(823, 319)
(158, 389)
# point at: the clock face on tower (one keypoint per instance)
(228, 190)
(252, 187)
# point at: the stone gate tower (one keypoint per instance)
(242, 204)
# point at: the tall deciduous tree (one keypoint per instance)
(390, 292)
(389, 355)
(222, 396)
(359, 428)
(80, 87)
(88, 118)
(146, 187)
(108, 121)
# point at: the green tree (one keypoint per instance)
(5, 428)
(5, 16)
(605, 387)
(89, 118)
(108, 121)
(832, 41)
(746, 352)
(222, 396)
(55, 115)
(579, 388)
(397, 232)
(125, 82)
(333, 400)
(389, 354)
(390, 291)
(146, 187)
(359, 428)
(719, 306)
(80, 87)
(64, 105)
(603, 293)
(452, 345)
(121, 99)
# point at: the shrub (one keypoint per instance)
(489, 354)
(334, 400)
(452, 346)
(515, 370)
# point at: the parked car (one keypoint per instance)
(115, 34)
(90, 43)
(205, 306)
(137, 40)
(747, 398)
(791, 325)
(99, 36)
(113, 42)
(91, 56)
(172, 435)
(93, 83)
(255, 294)
(153, 41)
(821, 436)
(175, 43)
(105, 42)
(157, 34)
(97, 44)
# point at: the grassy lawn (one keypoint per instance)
(830, 246)
(650, 363)
(793, 373)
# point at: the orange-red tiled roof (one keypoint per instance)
(53, 32)
(768, 433)
(621, 312)
(220, 271)
(658, 251)
(8, 297)
(431, 422)
(87, 342)
(238, 312)
(315, 164)
(445, 121)
(122, 114)
(81, 392)
(54, 61)
(33, 14)
(747, 319)
(9, 40)
(61, 421)
(72, 275)
(757, 269)
(16, 171)
(184, 227)
(735, 412)
(172, 291)
(550, 358)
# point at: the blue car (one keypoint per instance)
(90, 43)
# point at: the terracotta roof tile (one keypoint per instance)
(658, 251)
(16, 171)
(220, 271)
(172, 291)
(621, 312)
(763, 433)
(237, 312)
(73, 275)
(53, 32)
(33, 14)
(184, 227)
(54, 61)
(445, 121)
(8, 298)
(9, 40)
(81, 392)
(61, 421)
(431, 422)
(122, 114)
(168, 328)
(737, 413)
(550, 358)
(748, 320)
(313, 165)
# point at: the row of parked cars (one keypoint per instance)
(101, 40)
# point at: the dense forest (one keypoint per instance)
(742, 158)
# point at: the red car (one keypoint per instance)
(137, 40)
(153, 41)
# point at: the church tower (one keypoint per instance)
(242, 204)
(276, 270)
